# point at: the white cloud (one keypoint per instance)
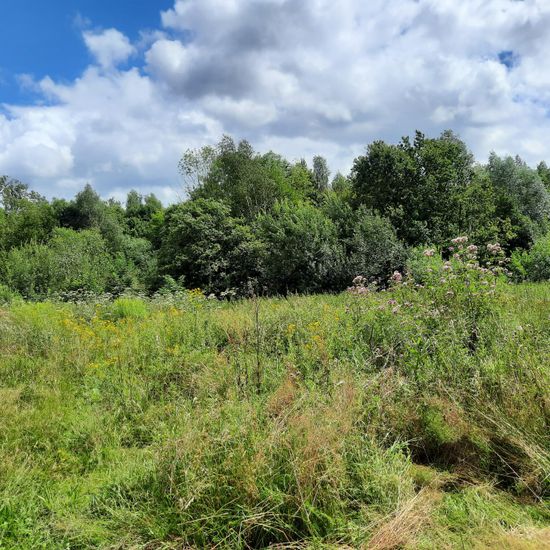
(109, 47)
(303, 77)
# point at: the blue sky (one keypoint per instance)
(112, 93)
(41, 37)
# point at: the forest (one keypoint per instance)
(252, 220)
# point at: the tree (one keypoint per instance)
(521, 198)
(372, 248)
(302, 252)
(544, 173)
(26, 216)
(89, 211)
(248, 182)
(321, 173)
(205, 247)
(415, 185)
(72, 260)
(139, 213)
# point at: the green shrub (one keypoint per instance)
(129, 308)
(533, 265)
(7, 295)
(422, 264)
(302, 252)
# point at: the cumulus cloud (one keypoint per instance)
(109, 47)
(303, 77)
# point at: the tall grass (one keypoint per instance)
(414, 417)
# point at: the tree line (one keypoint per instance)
(261, 220)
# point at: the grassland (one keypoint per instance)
(415, 418)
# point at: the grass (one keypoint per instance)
(416, 418)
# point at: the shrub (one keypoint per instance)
(129, 308)
(422, 262)
(7, 295)
(302, 252)
(203, 246)
(373, 249)
(533, 265)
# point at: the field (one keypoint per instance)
(409, 418)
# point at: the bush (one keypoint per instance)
(203, 246)
(373, 250)
(421, 265)
(27, 270)
(533, 265)
(129, 308)
(72, 260)
(302, 252)
(7, 295)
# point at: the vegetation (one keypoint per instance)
(169, 379)
(281, 226)
(413, 417)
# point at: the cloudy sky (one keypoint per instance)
(112, 93)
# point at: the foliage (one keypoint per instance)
(303, 252)
(70, 261)
(534, 265)
(372, 248)
(248, 182)
(415, 184)
(206, 248)
(257, 220)
(375, 424)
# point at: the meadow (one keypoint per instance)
(415, 416)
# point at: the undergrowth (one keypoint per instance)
(412, 417)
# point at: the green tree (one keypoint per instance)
(25, 216)
(544, 173)
(89, 211)
(415, 184)
(248, 182)
(205, 247)
(302, 252)
(321, 173)
(139, 213)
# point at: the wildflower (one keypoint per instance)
(359, 280)
(429, 252)
(472, 249)
(358, 290)
(392, 302)
(460, 240)
(395, 310)
(447, 266)
(494, 249)
(396, 277)
(451, 248)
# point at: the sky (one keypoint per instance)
(112, 93)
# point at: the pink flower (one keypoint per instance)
(429, 252)
(396, 277)
(460, 240)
